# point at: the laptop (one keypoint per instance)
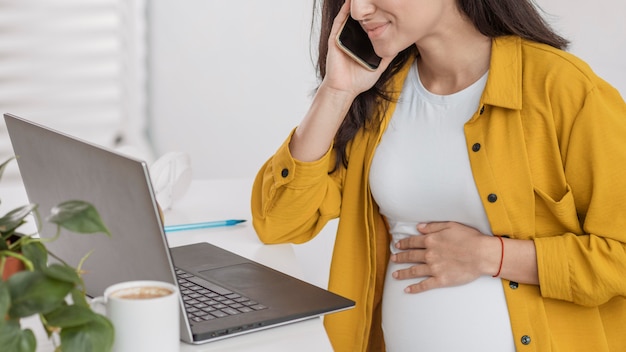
(222, 294)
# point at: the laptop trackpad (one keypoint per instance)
(245, 276)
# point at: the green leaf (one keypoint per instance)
(5, 299)
(13, 219)
(14, 339)
(3, 166)
(33, 292)
(95, 336)
(78, 216)
(37, 253)
(78, 297)
(70, 316)
(63, 273)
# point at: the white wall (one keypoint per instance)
(230, 79)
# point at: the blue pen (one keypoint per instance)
(202, 225)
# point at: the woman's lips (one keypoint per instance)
(374, 30)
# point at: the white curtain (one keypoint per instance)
(76, 65)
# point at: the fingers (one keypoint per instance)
(444, 254)
(424, 285)
(412, 272)
(410, 256)
(341, 17)
(412, 242)
(429, 282)
(424, 229)
(431, 227)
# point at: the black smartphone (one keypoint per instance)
(353, 40)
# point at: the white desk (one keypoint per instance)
(219, 200)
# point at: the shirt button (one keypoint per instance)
(525, 340)
(482, 109)
(476, 147)
(492, 198)
(284, 173)
(513, 285)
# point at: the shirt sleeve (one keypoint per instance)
(590, 269)
(293, 200)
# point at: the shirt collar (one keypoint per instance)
(504, 84)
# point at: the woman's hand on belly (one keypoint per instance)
(447, 254)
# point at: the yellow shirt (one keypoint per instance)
(547, 149)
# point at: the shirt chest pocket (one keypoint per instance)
(555, 216)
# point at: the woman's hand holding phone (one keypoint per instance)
(343, 81)
(343, 71)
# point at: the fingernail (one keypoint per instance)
(421, 225)
(407, 290)
(395, 274)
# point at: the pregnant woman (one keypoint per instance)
(478, 178)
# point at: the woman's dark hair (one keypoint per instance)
(493, 18)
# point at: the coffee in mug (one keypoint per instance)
(141, 292)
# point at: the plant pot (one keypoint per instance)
(11, 266)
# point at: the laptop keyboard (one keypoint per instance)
(205, 301)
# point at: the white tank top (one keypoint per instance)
(420, 173)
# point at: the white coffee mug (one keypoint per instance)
(144, 314)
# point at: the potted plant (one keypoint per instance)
(55, 292)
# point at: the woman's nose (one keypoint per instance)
(361, 9)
